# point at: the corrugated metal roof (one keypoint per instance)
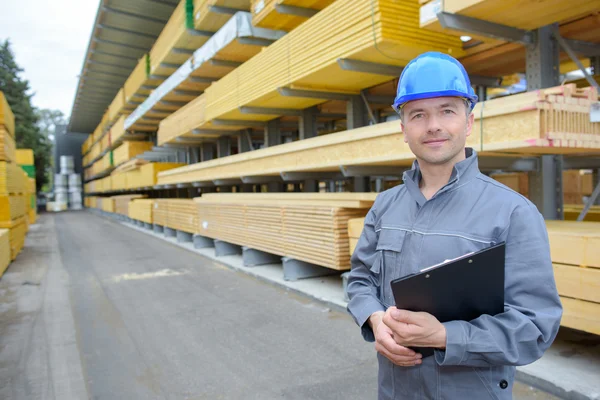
(123, 32)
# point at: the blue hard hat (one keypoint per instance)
(433, 74)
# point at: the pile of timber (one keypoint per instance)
(575, 251)
(4, 250)
(108, 204)
(575, 248)
(182, 215)
(7, 132)
(303, 226)
(122, 202)
(268, 14)
(236, 42)
(17, 231)
(380, 31)
(141, 210)
(159, 213)
(576, 20)
(548, 121)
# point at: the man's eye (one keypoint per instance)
(417, 116)
(448, 111)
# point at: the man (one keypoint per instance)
(445, 209)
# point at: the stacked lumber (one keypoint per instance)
(148, 174)
(576, 185)
(129, 150)
(136, 86)
(91, 202)
(266, 14)
(13, 180)
(13, 207)
(208, 18)
(381, 31)
(308, 227)
(515, 13)
(122, 202)
(182, 121)
(175, 35)
(7, 118)
(17, 231)
(117, 106)
(108, 204)
(160, 211)
(182, 215)
(236, 42)
(7, 145)
(141, 210)
(575, 248)
(575, 251)
(549, 121)
(4, 250)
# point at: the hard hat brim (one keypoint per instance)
(399, 103)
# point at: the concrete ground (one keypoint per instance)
(93, 309)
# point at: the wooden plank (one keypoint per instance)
(7, 145)
(581, 315)
(578, 283)
(575, 243)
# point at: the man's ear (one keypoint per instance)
(403, 134)
(470, 121)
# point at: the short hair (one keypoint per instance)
(465, 101)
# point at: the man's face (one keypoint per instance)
(436, 129)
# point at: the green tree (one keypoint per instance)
(27, 132)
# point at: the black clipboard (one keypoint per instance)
(463, 288)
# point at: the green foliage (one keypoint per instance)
(27, 132)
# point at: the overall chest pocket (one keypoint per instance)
(389, 262)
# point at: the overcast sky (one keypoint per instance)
(49, 39)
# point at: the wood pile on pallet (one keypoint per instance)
(575, 248)
(307, 227)
(141, 210)
(182, 215)
(122, 202)
(575, 252)
(15, 188)
(160, 211)
(7, 132)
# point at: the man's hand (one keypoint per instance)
(387, 346)
(415, 329)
